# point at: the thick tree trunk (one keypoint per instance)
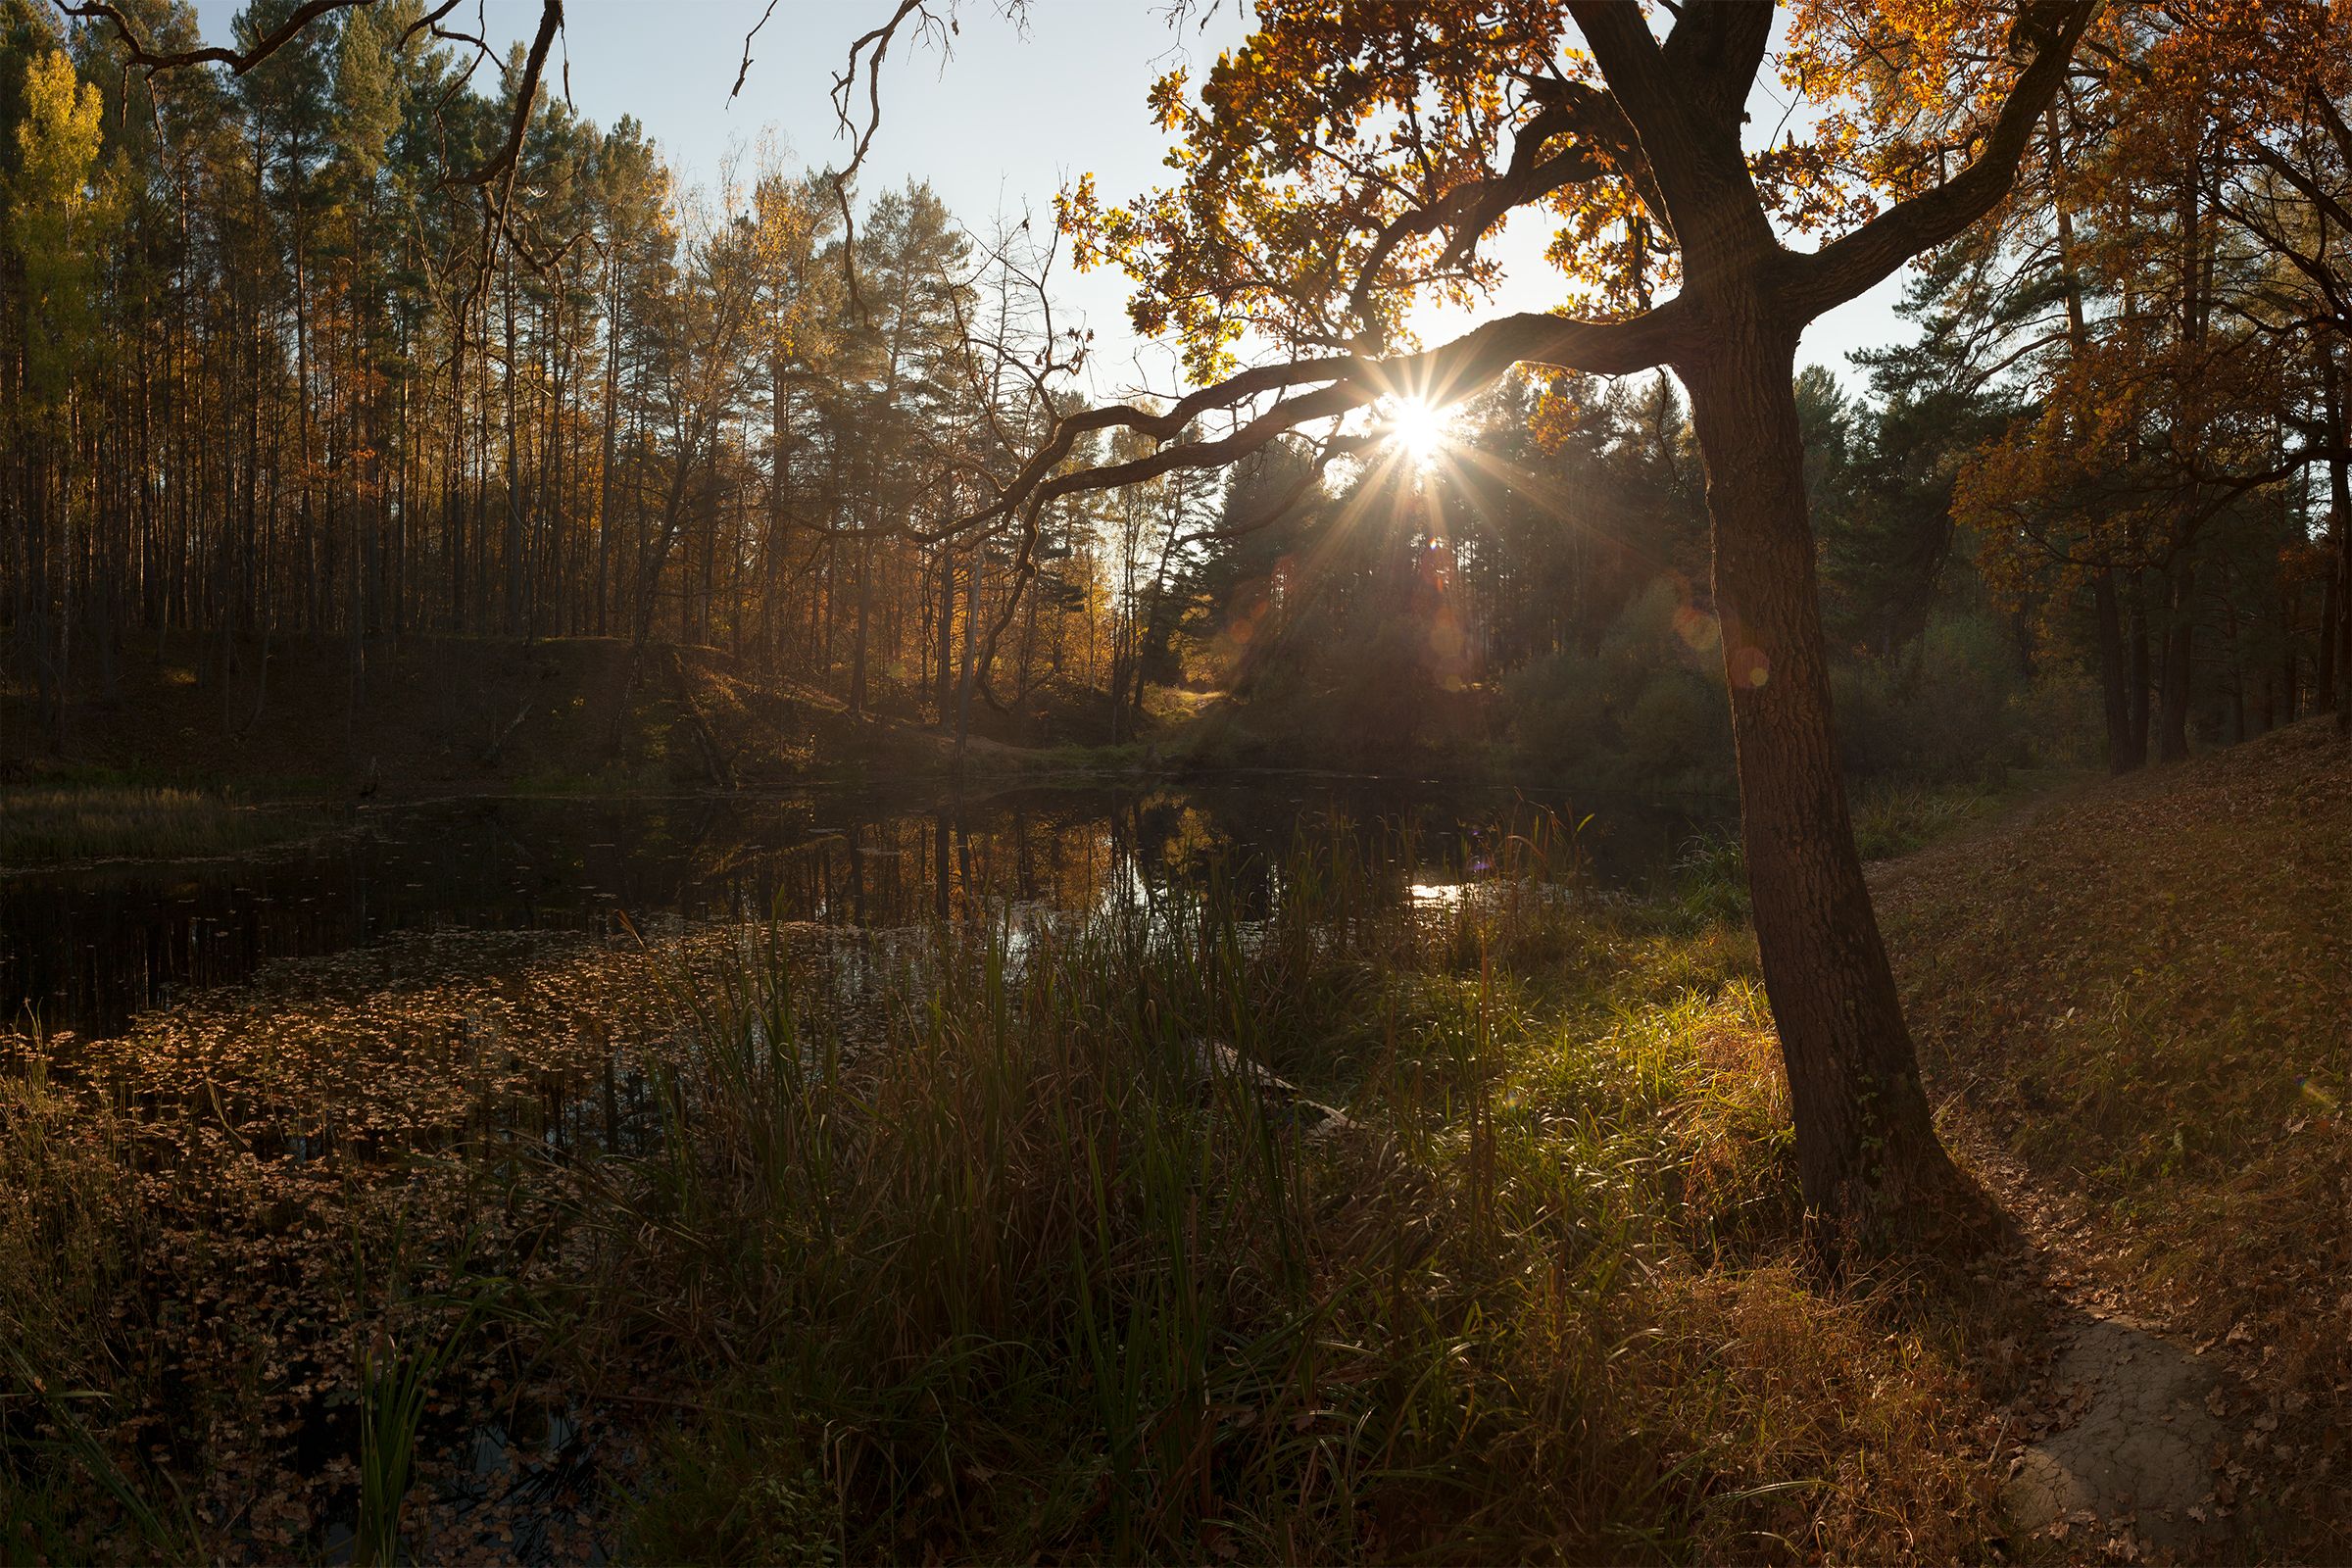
(1867, 1150)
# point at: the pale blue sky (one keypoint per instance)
(995, 128)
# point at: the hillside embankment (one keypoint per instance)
(2136, 999)
(432, 715)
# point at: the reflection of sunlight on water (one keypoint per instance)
(1441, 895)
(90, 950)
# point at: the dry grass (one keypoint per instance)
(96, 822)
(1022, 1290)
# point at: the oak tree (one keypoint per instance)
(1352, 161)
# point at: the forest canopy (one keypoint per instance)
(280, 366)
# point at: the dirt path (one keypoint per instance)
(2136, 1445)
(2134, 1461)
(2131, 998)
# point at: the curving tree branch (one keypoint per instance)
(526, 97)
(1850, 267)
(1340, 385)
(238, 61)
(1470, 209)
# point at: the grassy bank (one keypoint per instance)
(764, 1245)
(97, 820)
(1041, 1277)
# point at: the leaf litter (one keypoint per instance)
(2135, 999)
(365, 1159)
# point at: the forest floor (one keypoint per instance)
(2135, 999)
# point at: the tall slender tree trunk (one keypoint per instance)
(2179, 632)
(2126, 751)
(2136, 650)
(866, 597)
(2323, 696)
(971, 641)
(453, 471)
(301, 425)
(515, 563)
(945, 634)
(2340, 510)
(1866, 1144)
(611, 411)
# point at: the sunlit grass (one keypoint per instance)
(1035, 1277)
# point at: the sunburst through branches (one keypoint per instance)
(1420, 431)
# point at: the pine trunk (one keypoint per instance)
(2340, 510)
(2178, 667)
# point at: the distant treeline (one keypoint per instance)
(271, 366)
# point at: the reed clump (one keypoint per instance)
(1448, 1251)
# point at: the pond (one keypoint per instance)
(87, 949)
(361, 1092)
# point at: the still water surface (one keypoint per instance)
(86, 949)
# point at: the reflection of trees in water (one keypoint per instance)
(88, 948)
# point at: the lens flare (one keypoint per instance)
(1418, 430)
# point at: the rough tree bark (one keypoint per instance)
(1866, 1140)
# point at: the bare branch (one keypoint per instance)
(430, 21)
(866, 53)
(1473, 207)
(2312, 190)
(745, 69)
(238, 61)
(527, 94)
